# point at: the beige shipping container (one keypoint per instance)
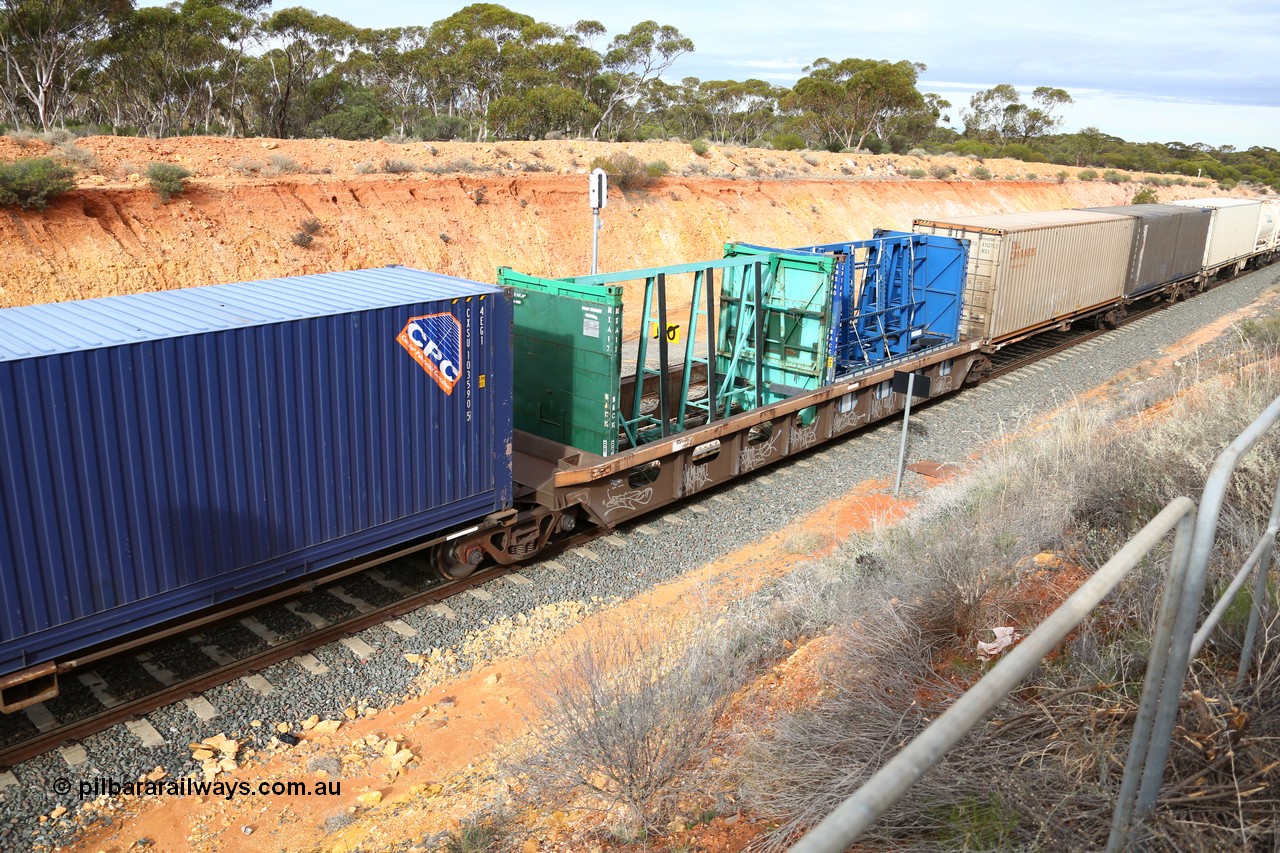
(1030, 270)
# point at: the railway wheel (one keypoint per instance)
(455, 562)
(1113, 318)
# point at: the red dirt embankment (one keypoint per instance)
(467, 210)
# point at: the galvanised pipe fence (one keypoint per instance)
(1175, 643)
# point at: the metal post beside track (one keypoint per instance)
(906, 423)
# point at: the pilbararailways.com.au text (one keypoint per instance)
(185, 787)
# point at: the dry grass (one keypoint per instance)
(905, 605)
(624, 717)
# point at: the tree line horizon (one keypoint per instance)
(488, 73)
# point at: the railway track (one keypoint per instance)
(1023, 353)
(73, 716)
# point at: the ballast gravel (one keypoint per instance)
(652, 551)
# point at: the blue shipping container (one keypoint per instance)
(162, 452)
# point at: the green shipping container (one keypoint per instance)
(568, 360)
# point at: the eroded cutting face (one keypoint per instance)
(435, 342)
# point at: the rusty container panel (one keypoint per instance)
(1029, 270)
(1168, 243)
(1233, 233)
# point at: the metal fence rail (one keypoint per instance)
(1174, 644)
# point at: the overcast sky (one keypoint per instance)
(1191, 71)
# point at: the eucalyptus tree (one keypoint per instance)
(477, 53)
(999, 115)
(47, 47)
(847, 101)
(305, 47)
(910, 127)
(393, 65)
(739, 110)
(634, 58)
(176, 68)
(675, 109)
(546, 90)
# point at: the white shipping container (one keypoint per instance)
(1030, 270)
(1233, 233)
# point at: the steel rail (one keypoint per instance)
(1000, 368)
(134, 708)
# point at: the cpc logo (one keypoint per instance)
(435, 342)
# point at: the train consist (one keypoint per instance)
(169, 453)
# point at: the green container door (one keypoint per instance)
(568, 360)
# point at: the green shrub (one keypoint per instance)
(58, 136)
(23, 137)
(1113, 177)
(942, 172)
(700, 147)
(916, 173)
(657, 168)
(1226, 184)
(281, 164)
(443, 128)
(167, 179)
(975, 148)
(982, 173)
(918, 152)
(788, 142)
(302, 239)
(1146, 195)
(245, 166)
(81, 158)
(396, 166)
(1262, 333)
(625, 171)
(811, 159)
(32, 182)
(1062, 177)
(1087, 175)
